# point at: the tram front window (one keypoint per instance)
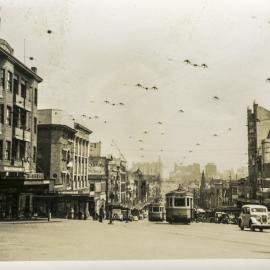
(179, 202)
(155, 209)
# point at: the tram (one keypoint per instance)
(179, 206)
(156, 212)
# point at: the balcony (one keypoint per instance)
(23, 103)
(22, 134)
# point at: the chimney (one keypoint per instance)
(34, 69)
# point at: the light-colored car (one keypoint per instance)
(117, 214)
(254, 217)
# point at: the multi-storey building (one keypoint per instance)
(63, 155)
(18, 135)
(149, 168)
(117, 181)
(210, 171)
(258, 150)
(185, 174)
(95, 149)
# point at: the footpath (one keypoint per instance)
(32, 221)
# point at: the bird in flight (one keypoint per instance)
(215, 135)
(113, 104)
(105, 122)
(190, 151)
(83, 115)
(96, 117)
(89, 117)
(145, 132)
(107, 101)
(155, 88)
(197, 144)
(160, 123)
(216, 97)
(138, 85)
(181, 111)
(49, 31)
(140, 140)
(187, 61)
(121, 103)
(146, 88)
(31, 58)
(204, 66)
(230, 129)
(195, 65)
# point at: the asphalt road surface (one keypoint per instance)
(91, 240)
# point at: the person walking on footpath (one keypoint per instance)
(101, 213)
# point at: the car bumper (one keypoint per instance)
(261, 226)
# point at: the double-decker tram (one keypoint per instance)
(156, 212)
(179, 205)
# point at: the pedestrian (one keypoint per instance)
(101, 213)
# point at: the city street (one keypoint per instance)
(91, 240)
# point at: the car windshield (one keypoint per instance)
(260, 210)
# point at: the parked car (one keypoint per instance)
(254, 217)
(117, 214)
(218, 217)
(130, 216)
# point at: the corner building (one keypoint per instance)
(18, 135)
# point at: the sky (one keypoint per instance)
(99, 50)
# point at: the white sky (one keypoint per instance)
(99, 50)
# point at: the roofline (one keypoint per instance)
(47, 126)
(17, 62)
(83, 127)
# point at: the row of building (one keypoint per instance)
(48, 163)
(255, 188)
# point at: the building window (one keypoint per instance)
(2, 113)
(22, 150)
(1, 150)
(7, 150)
(23, 88)
(34, 153)
(2, 78)
(16, 84)
(8, 119)
(35, 124)
(9, 81)
(36, 96)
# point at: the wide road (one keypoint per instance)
(85, 240)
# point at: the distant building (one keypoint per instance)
(185, 174)
(210, 171)
(149, 168)
(95, 149)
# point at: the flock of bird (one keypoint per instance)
(147, 88)
(195, 65)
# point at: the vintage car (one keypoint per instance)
(254, 217)
(117, 214)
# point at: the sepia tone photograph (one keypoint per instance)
(134, 130)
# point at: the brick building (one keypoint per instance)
(18, 135)
(63, 155)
